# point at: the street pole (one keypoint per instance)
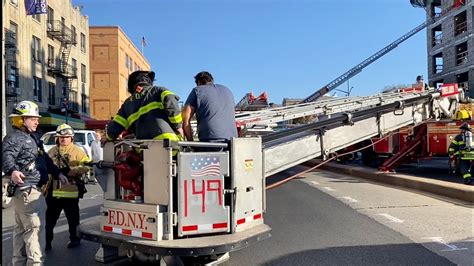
(4, 103)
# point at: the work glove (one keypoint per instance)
(78, 171)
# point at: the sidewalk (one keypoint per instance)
(426, 184)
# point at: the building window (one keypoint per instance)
(14, 30)
(463, 80)
(436, 10)
(36, 17)
(83, 73)
(50, 18)
(460, 23)
(50, 55)
(130, 67)
(73, 35)
(37, 91)
(438, 63)
(74, 67)
(36, 49)
(461, 54)
(437, 35)
(127, 61)
(83, 98)
(83, 42)
(13, 79)
(51, 94)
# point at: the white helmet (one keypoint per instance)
(25, 108)
(64, 130)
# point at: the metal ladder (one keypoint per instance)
(321, 109)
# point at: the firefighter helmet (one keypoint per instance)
(140, 77)
(465, 126)
(64, 130)
(25, 108)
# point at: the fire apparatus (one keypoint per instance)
(194, 201)
(180, 202)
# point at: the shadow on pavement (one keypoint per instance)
(400, 254)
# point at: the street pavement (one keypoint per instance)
(322, 218)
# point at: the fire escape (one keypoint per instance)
(12, 88)
(59, 66)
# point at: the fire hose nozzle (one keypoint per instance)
(101, 164)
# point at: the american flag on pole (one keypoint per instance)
(205, 166)
(143, 41)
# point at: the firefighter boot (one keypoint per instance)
(73, 243)
(467, 180)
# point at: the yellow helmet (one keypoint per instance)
(64, 130)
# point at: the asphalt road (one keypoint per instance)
(314, 222)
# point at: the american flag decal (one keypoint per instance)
(205, 166)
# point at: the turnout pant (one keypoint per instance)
(28, 241)
(71, 209)
(465, 168)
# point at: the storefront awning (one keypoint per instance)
(50, 119)
(92, 123)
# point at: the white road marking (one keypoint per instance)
(441, 241)
(315, 183)
(349, 199)
(7, 233)
(5, 239)
(329, 189)
(92, 197)
(391, 218)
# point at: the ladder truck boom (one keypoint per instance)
(358, 68)
(188, 202)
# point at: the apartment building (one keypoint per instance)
(451, 43)
(46, 60)
(113, 56)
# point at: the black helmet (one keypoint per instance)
(418, 78)
(140, 76)
(465, 126)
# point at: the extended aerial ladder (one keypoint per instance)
(265, 120)
(358, 68)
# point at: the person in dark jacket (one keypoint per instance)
(28, 165)
(151, 112)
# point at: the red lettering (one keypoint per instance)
(111, 217)
(131, 219)
(141, 217)
(185, 198)
(120, 218)
(218, 188)
(202, 193)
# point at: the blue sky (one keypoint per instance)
(287, 48)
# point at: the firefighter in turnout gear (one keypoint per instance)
(460, 154)
(68, 157)
(151, 112)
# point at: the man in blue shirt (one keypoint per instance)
(213, 105)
